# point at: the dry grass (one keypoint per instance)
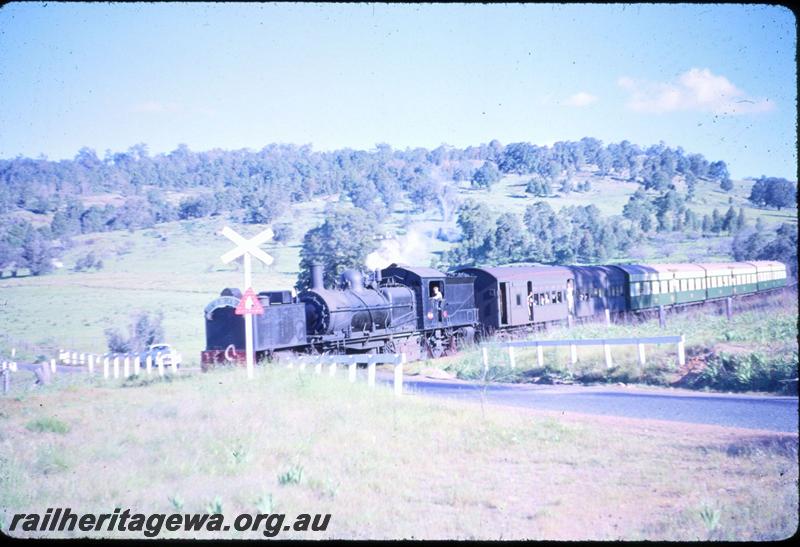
(388, 468)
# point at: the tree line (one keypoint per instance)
(257, 186)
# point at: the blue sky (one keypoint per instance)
(715, 79)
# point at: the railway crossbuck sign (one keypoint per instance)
(248, 248)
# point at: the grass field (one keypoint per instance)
(384, 467)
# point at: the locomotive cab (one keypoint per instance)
(443, 301)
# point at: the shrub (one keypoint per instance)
(87, 262)
(750, 372)
(292, 476)
(50, 425)
(144, 329)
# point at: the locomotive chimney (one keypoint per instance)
(316, 276)
(378, 277)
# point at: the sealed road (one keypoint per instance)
(745, 411)
(767, 412)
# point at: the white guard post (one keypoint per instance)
(247, 248)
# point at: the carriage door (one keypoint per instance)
(504, 303)
(530, 300)
(673, 290)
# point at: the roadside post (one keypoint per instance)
(249, 303)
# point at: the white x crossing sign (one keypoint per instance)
(247, 246)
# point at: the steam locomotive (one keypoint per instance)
(422, 311)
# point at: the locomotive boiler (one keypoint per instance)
(357, 315)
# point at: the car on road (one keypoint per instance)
(169, 356)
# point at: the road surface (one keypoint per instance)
(768, 412)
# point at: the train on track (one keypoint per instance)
(422, 311)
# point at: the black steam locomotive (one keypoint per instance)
(399, 309)
(422, 311)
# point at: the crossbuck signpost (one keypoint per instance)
(249, 302)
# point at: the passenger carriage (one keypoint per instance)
(653, 285)
(598, 288)
(514, 296)
(769, 274)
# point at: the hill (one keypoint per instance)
(174, 266)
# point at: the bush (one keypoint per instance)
(283, 232)
(88, 262)
(49, 425)
(750, 372)
(145, 329)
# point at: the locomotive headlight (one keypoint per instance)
(444, 313)
(430, 315)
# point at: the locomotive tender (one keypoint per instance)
(419, 310)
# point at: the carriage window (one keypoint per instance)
(519, 300)
(664, 287)
(436, 290)
(655, 287)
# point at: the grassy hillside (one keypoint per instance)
(384, 467)
(175, 267)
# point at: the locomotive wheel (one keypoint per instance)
(436, 343)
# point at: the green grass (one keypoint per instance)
(389, 468)
(47, 424)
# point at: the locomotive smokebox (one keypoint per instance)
(316, 277)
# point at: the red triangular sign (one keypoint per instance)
(249, 304)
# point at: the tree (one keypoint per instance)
(342, 242)
(691, 186)
(509, 239)
(9, 257)
(639, 209)
(756, 245)
(716, 221)
(196, 207)
(718, 170)
(263, 206)
(486, 175)
(741, 221)
(729, 220)
(773, 192)
(707, 224)
(37, 254)
(587, 252)
(478, 234)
